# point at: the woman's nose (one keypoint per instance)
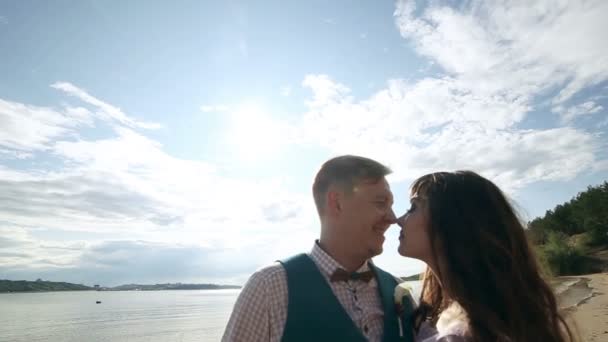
(401, 220)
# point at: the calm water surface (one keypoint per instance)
(122, 316)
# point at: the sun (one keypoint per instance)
(254, 135)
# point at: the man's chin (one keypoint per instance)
(375, 251)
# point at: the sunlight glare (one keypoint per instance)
(254, 135)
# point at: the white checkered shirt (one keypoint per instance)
(260, 312)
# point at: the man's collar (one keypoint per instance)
(329, 265)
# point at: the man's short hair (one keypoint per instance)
(345, 172)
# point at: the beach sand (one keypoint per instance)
(585, 299)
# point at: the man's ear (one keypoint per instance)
(334, 202)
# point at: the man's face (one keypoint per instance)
(366, 215)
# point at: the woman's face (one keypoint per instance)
(414, 241)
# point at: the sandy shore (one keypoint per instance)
(585, 299)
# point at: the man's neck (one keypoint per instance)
(344, 257)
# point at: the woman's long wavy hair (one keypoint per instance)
(484, 263)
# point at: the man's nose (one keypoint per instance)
(391, 217)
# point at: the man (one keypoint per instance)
(333, 293)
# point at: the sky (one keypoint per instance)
(152, 142)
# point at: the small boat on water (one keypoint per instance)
(98, 302)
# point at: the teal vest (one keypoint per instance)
(315, 314)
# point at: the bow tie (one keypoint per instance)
(343, 275)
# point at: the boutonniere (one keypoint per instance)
(401, 290)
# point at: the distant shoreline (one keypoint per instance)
(25, 286)
(93, 290)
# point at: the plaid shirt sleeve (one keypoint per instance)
(260, 311)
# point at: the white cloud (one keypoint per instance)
(126, 185)
(18, 250)
(14, 154)
(28, 128)
(437, 124)
(231, 217)
(129, 182)
(601, 166)
(115, 262)
(106, 111)
(570, 114)
(325, 90)
(499, 58)
(513, 47)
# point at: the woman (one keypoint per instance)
(482, 282)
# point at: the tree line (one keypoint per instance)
(566, 237)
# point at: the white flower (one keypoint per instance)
(402, 290)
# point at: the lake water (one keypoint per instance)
(196, 315)
(135, 316)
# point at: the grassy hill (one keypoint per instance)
(39, 285)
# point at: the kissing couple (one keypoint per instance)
(482, 281)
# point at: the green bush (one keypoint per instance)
(543, 263)
(560, 257)
(597, 232)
